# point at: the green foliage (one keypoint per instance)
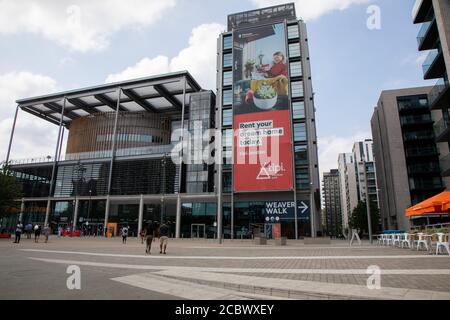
(358, 219)
(10, 190)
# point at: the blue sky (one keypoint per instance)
(350, 63)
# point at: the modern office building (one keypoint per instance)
(434, 35)
(141, 150)
(365, 170)
(332, 203)
(120, 166)
(348, 186)
(407, 157)
(265, 90)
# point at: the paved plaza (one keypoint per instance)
(205, 269)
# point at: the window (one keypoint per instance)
(297, 89)
(226, 182)
(227, 138)
(302, 178)
(294, 50)
(227, 42)
(227, 60)
(227, 97)
(227, 117)
(298, 110)
(299, 132)
(293, 32)
(227, 78)
(301, 155)
(296, 69)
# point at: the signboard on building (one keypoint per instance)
(279, 211)
(262, 137)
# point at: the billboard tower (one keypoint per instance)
(267, 118)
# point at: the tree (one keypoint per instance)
(358, 219)
(10, 190)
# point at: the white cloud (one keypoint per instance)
(199, 58)
(313, 9)
(331, 146)
(33, 137)
(81, 25)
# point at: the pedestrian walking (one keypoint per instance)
(142, 235)
(163, 238)
(19, 228)
(124, 235)
(28, 229)
(149, 236)
(37, 233)
(46, 231)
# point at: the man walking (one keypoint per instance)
(19, 228)
(163, 237)
(46, 232)
(149, 235)
(124, 235)
(37, 233)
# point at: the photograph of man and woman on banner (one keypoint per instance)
(261, 70)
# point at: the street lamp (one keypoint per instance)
(369, 220)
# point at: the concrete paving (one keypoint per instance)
(112, 270)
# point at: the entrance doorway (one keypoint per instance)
(198, 231)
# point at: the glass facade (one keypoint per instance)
(197, 220)
(422, 156)
(295, 69)
(299, 132)
(298, 110)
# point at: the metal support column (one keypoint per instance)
(55, 160)
(113, 147)
(180, 170)
(141, 214)
(178, 219)
(75, 214)
(106, 214)
(22, 209)
(47, 211)
(12, 134)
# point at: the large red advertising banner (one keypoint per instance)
(262, 122)
(263, 158)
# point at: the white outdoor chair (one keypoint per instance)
(406, 240)
(389, 239)
(442, 243)
(383, 239)
(421, 241)
(396, 239)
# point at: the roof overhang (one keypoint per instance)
(158, 94)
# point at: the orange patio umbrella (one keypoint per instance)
(437, 204)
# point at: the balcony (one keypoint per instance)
(416, 120)
(428, 34)
(432, 167)
(420, 10)
(421, 152)
(445, 165)
(418, 135)
(434, 65)
(439, 95)
(442, 130)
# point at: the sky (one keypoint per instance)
(48, 46)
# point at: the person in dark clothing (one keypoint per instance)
(37, 232)
(163, 237)
(124, 235)
(149, 236)
(19, 228)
